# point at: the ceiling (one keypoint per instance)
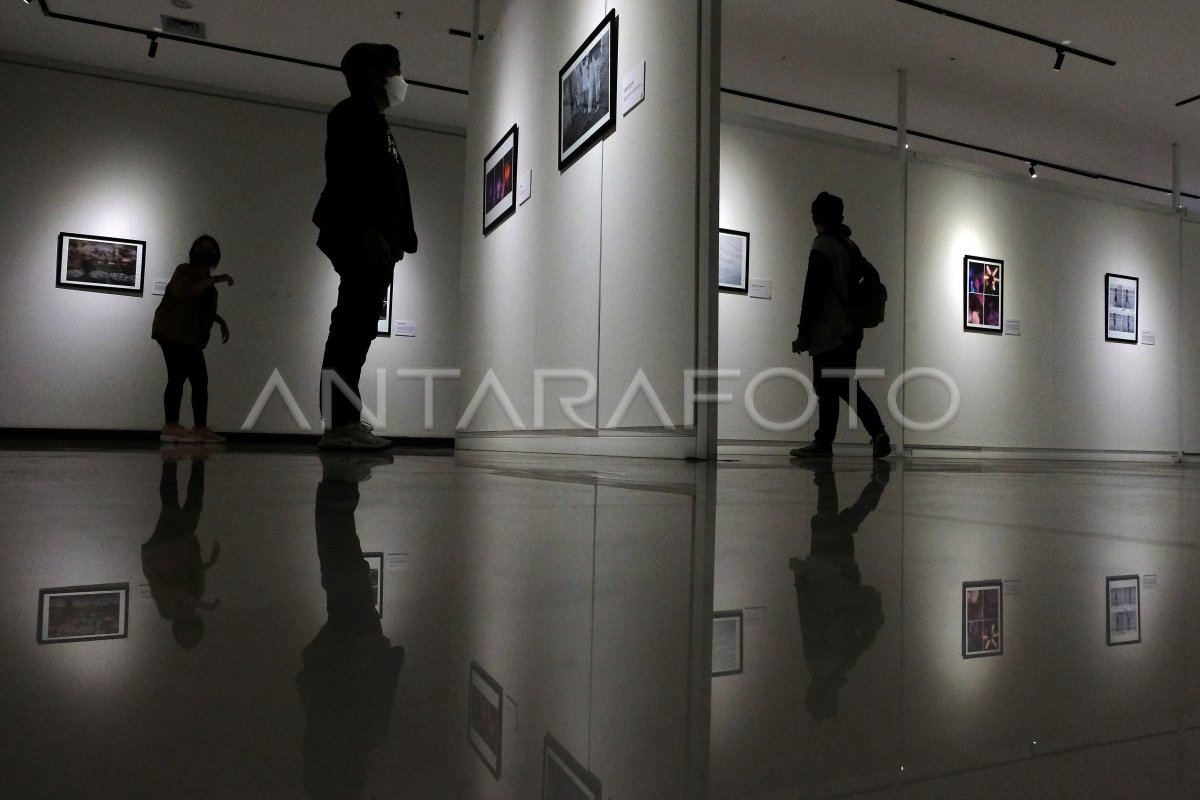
(965, 82)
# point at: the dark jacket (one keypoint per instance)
(366, 186)
(824, 320)
(185, 316)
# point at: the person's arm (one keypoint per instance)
(224, 328)
(817, 285)
(353, 175)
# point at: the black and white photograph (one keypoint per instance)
(587, 86)
(500, 181)
(375, 567)
(384, 326)
(563, 777)
(982, 618)
(733, 261)
(101, 263)
(983, 295)
(485, 718)
(1121, 308)
(83, 613)
(727, 643)
(1124, 604)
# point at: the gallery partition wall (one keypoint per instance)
(586, 267)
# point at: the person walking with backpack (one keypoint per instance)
(831, 331)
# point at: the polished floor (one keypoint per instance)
(237, 624)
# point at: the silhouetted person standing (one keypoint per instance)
(366, 223)
(827, 332)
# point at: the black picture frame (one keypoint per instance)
(1120, 308)
(563, 777)
(983, 294)
(375, 572)
(587, 92)
(383, 326)
(485, 718)
(982, 618)
(728, 638)
(500, 181)
(733, 261)
(83, 613)
(101, 264)
(1123, 610)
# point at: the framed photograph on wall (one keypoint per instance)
(587, 91)
(83, 613)
(983, 294)
(384, 326)
(727, 643)
(1124, 604)
(564, 778)
(485, 718)
(733, 261)
(1121, 308)
(101, 263)
(499, 181)
(982, 618)
(375, 570)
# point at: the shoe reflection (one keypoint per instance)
(350, 671)
(839, 616)
(171, 557)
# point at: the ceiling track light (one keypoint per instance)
(1033, 170)
(153, 46)
(1058, 61)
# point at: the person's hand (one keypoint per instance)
(224, 332)
(213, 554)
(223, 279)
(378, 251)
(208, 605)
(800, 344)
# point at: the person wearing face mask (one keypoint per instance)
(366, 225)
(182, 323)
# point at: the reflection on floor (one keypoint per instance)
(235, 624)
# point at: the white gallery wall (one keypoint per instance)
(107, 157)
(1051, 383)
(597, 272)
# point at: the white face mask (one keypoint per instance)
(397, 88)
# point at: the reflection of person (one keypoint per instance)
(828, 334)
(974, 309)
(350, 669)
(182, 323)
(839, 617)
(366, 223)
(991, 311)
(171, 559)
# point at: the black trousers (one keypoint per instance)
(352, 328)
(185, 364)
(831, 391)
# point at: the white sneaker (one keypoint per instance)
(355, 436)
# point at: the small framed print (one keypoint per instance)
(499, 181)
(733, 261)
(485, 718)
(101, 263)
(587, 87)
(1124, 603)
(1121, 308)
(384, 326)
(375, 570)
(982, 618)
(564, 778)
(83, 613)
(727, 643)
(983, 295)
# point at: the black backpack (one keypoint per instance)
(867, 295)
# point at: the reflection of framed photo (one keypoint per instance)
(375, 567)
(564, 778)
(105, 264)
(983, 294)
(500, 180)
(1120, 308)
(485, 717)
(983, 619)
(83, 613)
(384, 326)
(1124, 609)
(727, 643)
(733, 261)
(587, 89)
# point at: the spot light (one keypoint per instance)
(1033, 169)
(1059, 61)
(153, 47)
